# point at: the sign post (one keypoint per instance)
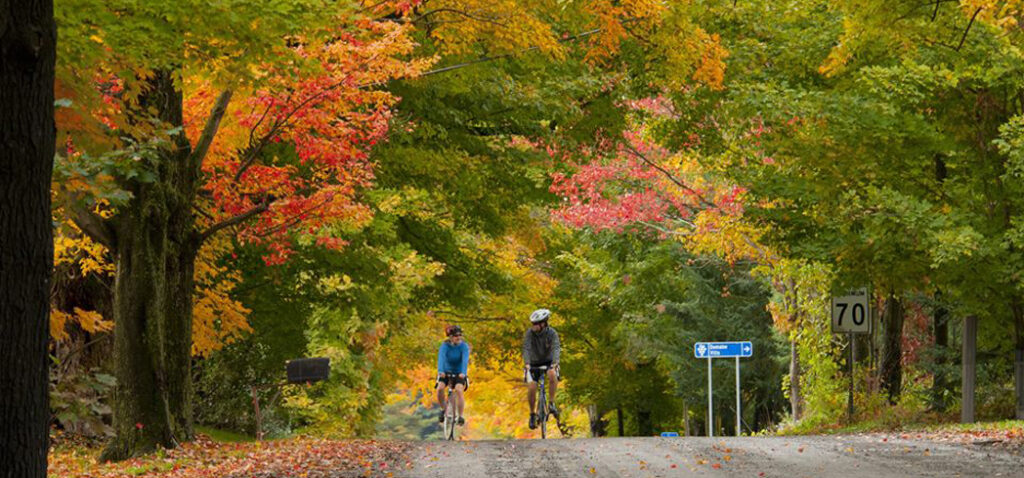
(851, 314)
(711, 408)
(713, 350)
(738, 418)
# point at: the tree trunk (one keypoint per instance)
(28, 38)
(644, 427)
(155, 249)
(686, 418)
(1018, 356)
(892, 355)
(940, 382)
(622, 425)
(598, 425)
(968, 376)
(795, 404)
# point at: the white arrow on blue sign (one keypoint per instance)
(723, 349)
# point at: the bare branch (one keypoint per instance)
(210, 130)
(499, 57)
(473, 318)
(964, 37)
(654, 164)
(468, 15)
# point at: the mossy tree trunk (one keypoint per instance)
(892, 351)
(155, 242)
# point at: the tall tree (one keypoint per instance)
(28, 38)
(178, 177)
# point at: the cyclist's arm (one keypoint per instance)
(526, 348)
(464, 366)
(440, 359)
(556, 348)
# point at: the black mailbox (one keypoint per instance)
(308, 370)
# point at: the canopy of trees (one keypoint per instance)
(240, 183)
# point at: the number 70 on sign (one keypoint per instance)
(851, 313)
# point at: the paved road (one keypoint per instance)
(788, 457)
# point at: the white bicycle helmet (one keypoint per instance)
(539, 315)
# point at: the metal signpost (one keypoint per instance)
(713, 350)
(851, 314)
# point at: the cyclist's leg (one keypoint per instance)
(440, 393)
(531, 395)
(552, 385)
(460, 398)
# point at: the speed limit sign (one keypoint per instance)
(851, 314)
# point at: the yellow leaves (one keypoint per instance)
(89, 320)
(415, 270)
(58, 322)
(1004, 14)
(502, 26)
(836, 61)
(710, 70)
(78, 249)
(334, 283)
(217, 319)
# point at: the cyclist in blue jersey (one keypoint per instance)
(452, 369)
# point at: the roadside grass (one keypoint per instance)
(924, 423)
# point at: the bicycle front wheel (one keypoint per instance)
(542, 409)
(449, 421)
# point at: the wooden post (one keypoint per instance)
(1018, 371)
(795, 404)
(970, 350)
(256, 410)
(853, 359)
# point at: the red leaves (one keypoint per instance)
(327, 118)
(635, 182)
(203, 458)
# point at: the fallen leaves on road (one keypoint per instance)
(203, 458)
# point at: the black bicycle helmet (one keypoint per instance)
(453, 330)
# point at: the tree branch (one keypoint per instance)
(964, 37)
(456, 11)
(245, 216)
(94, 226)
(473, 318)
(704, 202)
(210, 130)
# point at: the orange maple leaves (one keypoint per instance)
(293, 151)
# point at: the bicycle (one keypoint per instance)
(451, 418)
(542, 403)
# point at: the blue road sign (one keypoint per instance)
(722, 349)
(669, 434)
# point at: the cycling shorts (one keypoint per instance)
(450, 380)
(536, 374)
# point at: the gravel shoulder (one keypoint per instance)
(789, 457)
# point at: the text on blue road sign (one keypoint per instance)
(723, 349)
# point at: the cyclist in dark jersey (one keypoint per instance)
(541, 347)
(452, 370)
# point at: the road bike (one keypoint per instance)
(542, 400)
(451, 417)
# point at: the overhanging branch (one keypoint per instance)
(210, 130)
(94, 226)
(472, 318)
(245, 216)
